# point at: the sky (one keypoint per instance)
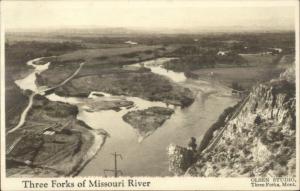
(185, 15)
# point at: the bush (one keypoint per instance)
(257, 120)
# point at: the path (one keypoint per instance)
(25, 112)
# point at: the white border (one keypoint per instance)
(297, 91)
(170, 183)
(2, 94)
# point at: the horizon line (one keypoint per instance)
(233, 28)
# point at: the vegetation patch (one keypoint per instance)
(148, 120)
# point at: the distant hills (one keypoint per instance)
(90, 30)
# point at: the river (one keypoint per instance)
(145, 157)
(149, 157)
(29, 84)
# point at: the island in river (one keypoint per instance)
(148, 120)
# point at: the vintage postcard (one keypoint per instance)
(149, 95)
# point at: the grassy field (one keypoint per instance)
(260, 60)
(260, 68)
(94, 53)
(117, 56)
(142, 83)
(286, 61)
(246, 76)
(60, 152)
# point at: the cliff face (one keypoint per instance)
(258, 139)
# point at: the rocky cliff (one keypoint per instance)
(257, 139)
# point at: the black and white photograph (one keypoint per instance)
(123, 90)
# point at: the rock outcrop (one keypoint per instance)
(257, 140)
(180, 159)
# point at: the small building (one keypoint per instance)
(131, 42)
(267, 53)
(48, 132)
(222, 53)
(275, 50)
(28, 162)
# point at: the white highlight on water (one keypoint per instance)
(29, 82)
(156, 67)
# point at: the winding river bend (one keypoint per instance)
(146, 157)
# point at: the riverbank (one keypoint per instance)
(52, 138)
(16, 102)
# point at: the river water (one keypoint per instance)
(29, 81)
(145, 157)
